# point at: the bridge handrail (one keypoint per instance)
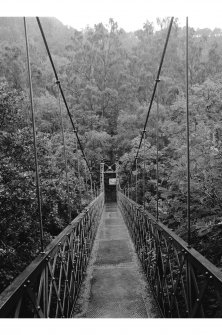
(163, 254)
(193, 253)
(44, 267)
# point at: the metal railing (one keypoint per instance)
(184, 283)
(49, 286)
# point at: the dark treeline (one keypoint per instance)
(108, 76)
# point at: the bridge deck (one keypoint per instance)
(115, 286)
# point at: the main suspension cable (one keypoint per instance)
(62, 93)
(154, 91)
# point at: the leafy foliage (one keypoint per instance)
(108, 77)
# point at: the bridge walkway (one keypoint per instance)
(115, 286)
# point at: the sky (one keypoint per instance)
(129, 14)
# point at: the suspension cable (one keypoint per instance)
(91, 185)
(144, 167)
(86, 179)
(154, 90)
(188, 139)
(65, 156)
(38, 189)
(79, 174)
(130, 187)
(61, 91)
(136, 180)
(157, 155)
(188, 268)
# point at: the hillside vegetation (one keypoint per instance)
(108, 76)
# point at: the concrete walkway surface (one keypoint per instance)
(115, 286)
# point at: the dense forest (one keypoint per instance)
(108, 76)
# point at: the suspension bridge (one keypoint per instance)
(114, 259)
